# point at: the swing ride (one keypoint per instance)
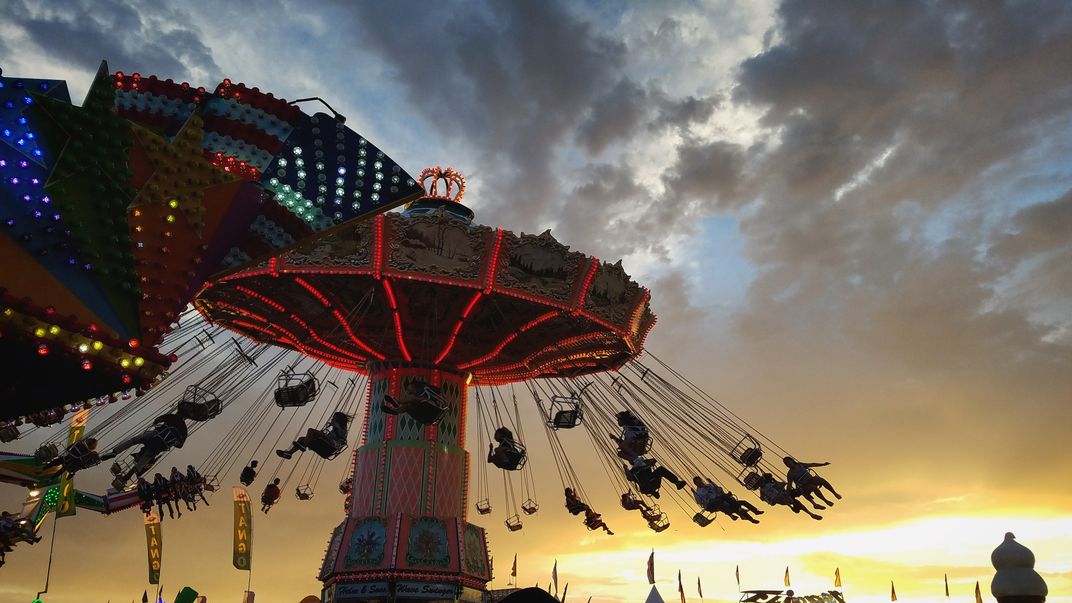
(277, 293)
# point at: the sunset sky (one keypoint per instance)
(855, 219)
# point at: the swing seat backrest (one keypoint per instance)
(702, 520)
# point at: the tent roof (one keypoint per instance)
(654, 596)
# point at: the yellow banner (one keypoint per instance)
(154, 543)
(65, 506)
(243, 530)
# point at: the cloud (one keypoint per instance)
(151, 36)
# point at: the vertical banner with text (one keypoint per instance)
(243, 530)
(65, 506)
(154, 544)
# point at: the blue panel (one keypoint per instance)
(16, 131)
(27, 213)
(326, 174)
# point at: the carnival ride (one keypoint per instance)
(244, 264)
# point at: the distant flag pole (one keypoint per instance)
(837, 577)
(699, 589)
(893, 592)
(787, 575)
(651, 567)
(947, 585)
(978, 595)
(738, 578)
(680, 587)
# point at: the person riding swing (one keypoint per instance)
(648, 477)
(326, 443)
(508, 455)
(774, 492)
(804, 482)
(713, 499)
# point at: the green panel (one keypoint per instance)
(90, 186)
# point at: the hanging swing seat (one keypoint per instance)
(198, 404)
(295, 390)
(512, 458)
(652, 513)
(565, 412)
(46, 452)
(659, 524)
(530, 507)
(702, 520)
(9, 433)
(513, 523)
(747, 452)
(304, 492)
(483, 506)
(212, 483)
(424, 403)
(325, 447)
(752, 480)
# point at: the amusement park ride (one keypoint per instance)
(168, 249)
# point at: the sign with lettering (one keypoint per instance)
(66, 505)
(359, 590)
(154, 544)
(425, 590)
(788, 596)
(243, 530)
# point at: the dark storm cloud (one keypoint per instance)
(706, 171)
(511, 79)
(880, 113)
(628, 110)
(153, 36)
(889, 130)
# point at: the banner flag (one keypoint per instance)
(978, 595)
(787, 575)
(154, 544)
(651, 567)
(243, 530)
(947, 585)
(893, 592)
(738, 578)
(837, 577)
(554, 576)
(564, 591)
(680, 587)
(513, 570)
(65, 506)
(699, 589)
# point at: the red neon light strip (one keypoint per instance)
(579, 302)
(322, 342)
(398, 321)
(532, 323)
(458, 327)
(312, 289)
(493, 265)
(349, 331)
(561, 344)
(295, 340)
(263, 298)
(377, 263)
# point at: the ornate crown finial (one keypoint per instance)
(451, 178)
